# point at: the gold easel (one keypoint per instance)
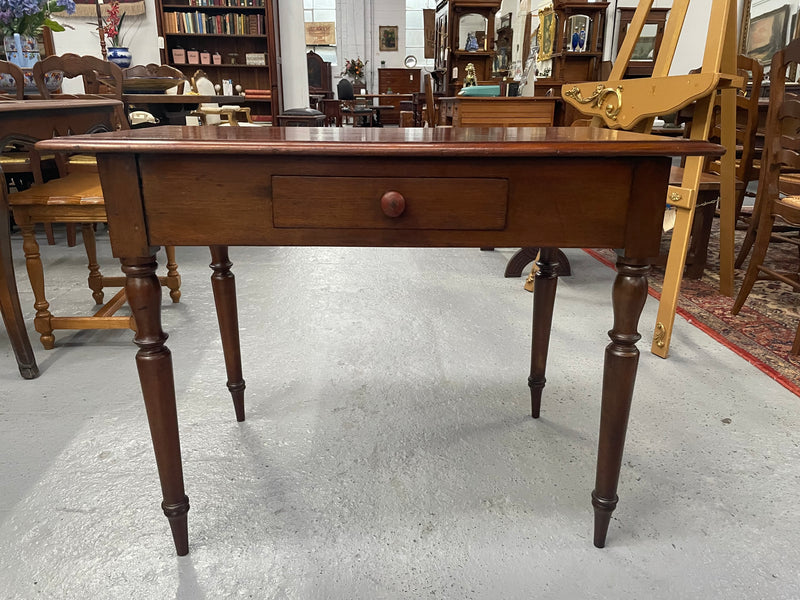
(632, 105)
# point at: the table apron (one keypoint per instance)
(453, 202)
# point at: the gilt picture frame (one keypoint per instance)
(766, 34)
(387, 36)
(547, 32)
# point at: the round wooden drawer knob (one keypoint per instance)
(393, 204)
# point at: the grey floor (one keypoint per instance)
(388, 451)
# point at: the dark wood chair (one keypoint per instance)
(778, 195)
(359, 113)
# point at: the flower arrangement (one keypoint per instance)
(354, 68)
(112, 25)
(28, 17)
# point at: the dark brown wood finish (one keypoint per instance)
(27, 120)
(265, 170)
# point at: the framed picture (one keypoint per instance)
(766, 34)
(387, 34)
(547, 32)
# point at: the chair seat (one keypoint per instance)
(709, 182)
(78, 188)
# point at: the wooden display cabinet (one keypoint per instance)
(229, 39)
(646, 49)
(454, 20)
(568, 65)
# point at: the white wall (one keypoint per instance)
(139, 34)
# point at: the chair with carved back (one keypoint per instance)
(75, 197)
(778, 195)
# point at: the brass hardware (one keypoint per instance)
(660, 335)
(598, 97)
(675, 197)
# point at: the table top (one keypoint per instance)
(15, 106)
(495, 142)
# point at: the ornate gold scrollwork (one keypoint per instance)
(598, 97)
(660, 336)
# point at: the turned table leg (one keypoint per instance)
(619, 374)
(223, 284)
(544, 297)
(154, 363)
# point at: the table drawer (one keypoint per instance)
(356, 202)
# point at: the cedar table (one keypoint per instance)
(546, 187)
(26, 121)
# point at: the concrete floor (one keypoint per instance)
(388, 452)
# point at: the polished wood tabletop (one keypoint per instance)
(31, 120)
(442, 187)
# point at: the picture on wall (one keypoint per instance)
(766, 34)
(387, 34)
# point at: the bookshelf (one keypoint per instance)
(228, 39)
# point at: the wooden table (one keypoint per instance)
(500, 111)
(438, 187)
(31, 120)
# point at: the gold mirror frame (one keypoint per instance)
(547, 32)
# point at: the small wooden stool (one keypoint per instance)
(75, 198)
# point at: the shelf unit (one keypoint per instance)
(451, 59)
(230, 29)
(572, 66)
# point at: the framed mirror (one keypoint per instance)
(410, 62)
(579, 33)
(472, 29)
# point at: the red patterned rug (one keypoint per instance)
(763, 331)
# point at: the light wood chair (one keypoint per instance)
(781, 157)
(76, 197)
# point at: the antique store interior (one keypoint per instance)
(389, 450)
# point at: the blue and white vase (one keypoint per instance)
(120, 56)
(22, 50)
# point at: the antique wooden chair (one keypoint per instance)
(778, 196)
(359, 113)
(75, 197)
